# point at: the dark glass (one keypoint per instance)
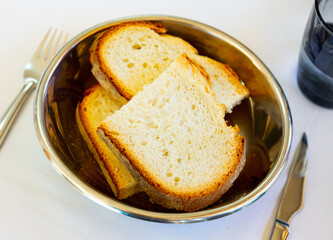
(315, 69)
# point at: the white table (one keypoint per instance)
(37, 203)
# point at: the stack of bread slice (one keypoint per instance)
(156, 121)
(130, 55)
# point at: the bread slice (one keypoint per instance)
(130, 55)
(224, 81)
(173, 138)
(97, 105)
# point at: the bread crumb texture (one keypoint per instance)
(174, 135)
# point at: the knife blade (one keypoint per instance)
(293, 193)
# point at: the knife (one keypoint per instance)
(293, 194)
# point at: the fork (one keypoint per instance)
(32, 73)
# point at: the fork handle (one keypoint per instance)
(11, 112)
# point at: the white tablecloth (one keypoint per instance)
(37, 203)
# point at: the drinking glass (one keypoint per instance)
(315, 66)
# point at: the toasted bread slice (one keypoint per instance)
(97, 105)
(173, 138)
(128, 56)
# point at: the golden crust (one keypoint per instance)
(121, 188)
(158, 28)
(157, 192)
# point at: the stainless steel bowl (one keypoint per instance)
(264, 120)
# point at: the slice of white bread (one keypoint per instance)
(173, 138)
(224, 82)
(94, 108)
(130, 55)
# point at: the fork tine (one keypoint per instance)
(65, 39)
(40, 47)
(55, 45)
(47, 48)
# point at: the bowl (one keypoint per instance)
(264, 119)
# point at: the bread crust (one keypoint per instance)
(101, 71)
(121, 188)
(162, 196)
(102, 78)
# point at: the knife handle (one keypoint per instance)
(281, 231)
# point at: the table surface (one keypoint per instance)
(37, 203)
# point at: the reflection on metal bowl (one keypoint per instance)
(264, 120)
